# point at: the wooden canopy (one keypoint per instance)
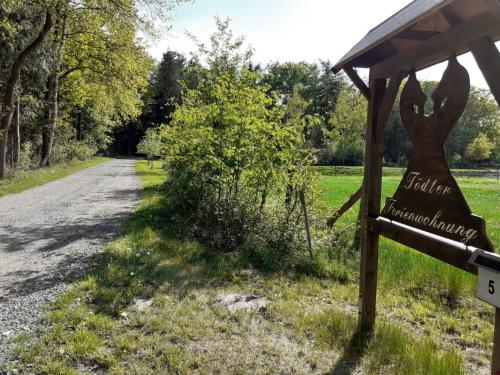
(422, 34)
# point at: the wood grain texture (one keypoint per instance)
(495, 363)
(488, 59)
(436, 49)
(370, 206)
(439, 248)
(358, 82)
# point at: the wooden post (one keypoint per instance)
(495, 364)
(371, 207)
(488, 59)
(306, 222)
(346, 206)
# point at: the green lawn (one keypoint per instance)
(28, 179)
(418, 291)
(400, 263)
(309, 326)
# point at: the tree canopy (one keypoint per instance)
(77, 69)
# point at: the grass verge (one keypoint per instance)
(28, 179)
(148, 306)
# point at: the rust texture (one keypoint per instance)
(428, 197)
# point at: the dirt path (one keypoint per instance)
(47, 234)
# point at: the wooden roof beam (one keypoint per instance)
(450, 16)
(387, 103)
(485, 53)
(358, 82)
(488, 59)
(412, 34)
(439, 47)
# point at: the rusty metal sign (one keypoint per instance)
(428, 197)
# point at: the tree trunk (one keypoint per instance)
(49, 129)
(8, 107)
(17, 133)
(3, 155)
(48, 137)
(11, 151)
(79, 125)
(45, 150)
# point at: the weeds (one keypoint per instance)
(308, 327)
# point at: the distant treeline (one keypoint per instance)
(335, 114)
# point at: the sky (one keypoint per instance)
(291, 30)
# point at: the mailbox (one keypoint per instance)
(488, 278)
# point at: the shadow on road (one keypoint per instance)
(41, 250)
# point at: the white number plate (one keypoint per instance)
(488, 286)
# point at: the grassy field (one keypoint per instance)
(29, 179)
(424, 294)
(429, 321)
(482, 194)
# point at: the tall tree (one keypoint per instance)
(8, 90)
(102, 69)
(92, 71)
(348, 125)
(319, 88)
(57, 48)
(165, 90)
(479, 149)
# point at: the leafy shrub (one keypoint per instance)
(235, 160)
(72, 150)
(326, 155)
(26, 156)
(150, 144)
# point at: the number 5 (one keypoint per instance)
(491, 287)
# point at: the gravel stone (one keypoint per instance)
(49, 233)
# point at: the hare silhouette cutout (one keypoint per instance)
(428, 197)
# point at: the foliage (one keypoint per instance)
(73, 150)
(479, 149)
(165, 89)
(91, 72)
(481, 115)
(346, 138)
(26, 156)
(160, 100)
(150, 144)
(106, 70)
(231, 146)
(318, 87)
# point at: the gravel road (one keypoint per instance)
(49, 232)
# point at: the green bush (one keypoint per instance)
(235, 160)
(26, 156)
(72, 150)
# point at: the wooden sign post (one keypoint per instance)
(428, 211)
(495, 365)
(488, 290)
